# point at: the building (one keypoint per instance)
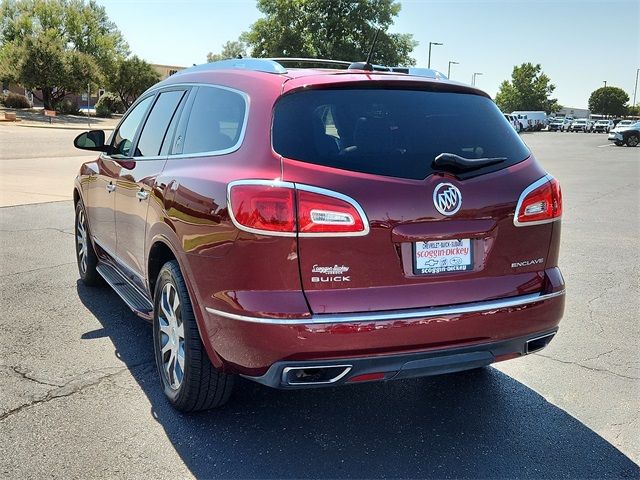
(165, 71)
(574, 112)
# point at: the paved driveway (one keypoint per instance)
(79, 394)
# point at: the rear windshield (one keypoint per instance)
(396, 133)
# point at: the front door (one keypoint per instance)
(135, 189)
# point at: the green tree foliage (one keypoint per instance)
(609, 101)
(634, 111)
(131, 77)
(331, 29)
(529, 89)
(231, 49)
(57, 46)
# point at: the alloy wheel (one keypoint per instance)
(81, 239)
(171, 336)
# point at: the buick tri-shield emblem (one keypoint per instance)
(447, 198)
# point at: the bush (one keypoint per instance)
(14, 100)
(109, 104)
(67, 107)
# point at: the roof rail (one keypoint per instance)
(293, 61)
(257, 64)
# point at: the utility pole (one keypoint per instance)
(449, 68)
(89, 103)
(473, 79)
(432, 43)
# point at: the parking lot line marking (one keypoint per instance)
(607, 145)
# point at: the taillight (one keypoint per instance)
(285, 208)
(263, 208)
(541, 202)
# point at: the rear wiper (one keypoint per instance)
(453, 163)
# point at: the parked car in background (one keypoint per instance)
(514, 122)
(531, 121)
(624, 123)
(559, 124)
(628, 134)
(310, 227)
(580, 125)
(603, 126)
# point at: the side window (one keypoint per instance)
(215, 121)
(155, 128)
(123, 138)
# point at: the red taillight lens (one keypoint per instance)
(283, 208)
(318, 213)
(541, 202)
(264, 207)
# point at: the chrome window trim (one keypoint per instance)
(303, 187)
(529, 189)
(461, 309)
(243, 129)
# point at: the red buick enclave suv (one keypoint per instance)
(306, 227)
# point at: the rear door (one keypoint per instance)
(437, 236)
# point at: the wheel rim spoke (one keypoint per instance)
(171, 336)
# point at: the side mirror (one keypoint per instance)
(93, 140)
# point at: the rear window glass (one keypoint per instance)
(396, 133)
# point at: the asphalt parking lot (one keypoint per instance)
(80, 397)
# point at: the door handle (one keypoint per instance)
(142, 195)
(110, 187)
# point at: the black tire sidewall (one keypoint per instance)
(90, 276)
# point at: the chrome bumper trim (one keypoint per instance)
(392, 315)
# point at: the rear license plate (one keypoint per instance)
(441, 256)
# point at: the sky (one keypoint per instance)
(579, 43)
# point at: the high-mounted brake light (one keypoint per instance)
(541, 202)
(287, 209)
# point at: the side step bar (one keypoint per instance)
(130, 294)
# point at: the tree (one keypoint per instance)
(57, 46)
(529, 89)
(330, 29)
(231, 49)
(634, 111)
(609, 101)
(131, 77)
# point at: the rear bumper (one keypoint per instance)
(313, 374)
(253, 345)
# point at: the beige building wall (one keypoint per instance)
(165, 71)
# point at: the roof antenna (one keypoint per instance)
(367, 64)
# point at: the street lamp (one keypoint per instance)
(473, 80)
(449, 68)
(432, 43)
(635, 89)
(605, 83)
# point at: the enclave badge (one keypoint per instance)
(447, 198)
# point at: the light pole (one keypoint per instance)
(432, 43)
(605, 83)
(449, 68)
(636, 87)
(473, 80)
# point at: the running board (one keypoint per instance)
(130, 294)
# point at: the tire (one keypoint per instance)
(196, 384)
(85, 254)
(632, 140)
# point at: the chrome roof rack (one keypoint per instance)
(294, 62)
(256, 64)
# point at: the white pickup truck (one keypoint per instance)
(531, 121)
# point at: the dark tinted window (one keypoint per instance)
(215, 122)
(391, 132)
(123, 139)
(155, 128)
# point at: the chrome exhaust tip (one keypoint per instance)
(538, 343)
(314, 375)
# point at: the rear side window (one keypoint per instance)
(155, 128)
(396, 133)
(215, 122)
